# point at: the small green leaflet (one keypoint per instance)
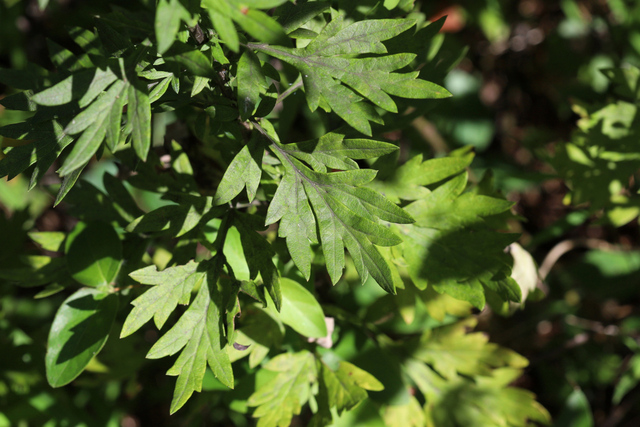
(281, 398)
(169, 13)
(139, 118)
(341, 390)
(409, 180)
(334, 78)
(251, 83)
(345, 213)
(293, 16)
(245, 170)
(347, 385)
(257, 24)
(409, 414)
(301, 310)
(197, 335)
(79, 330)
(175, 219)
(93, 123)
(49, 140)
(171, 287)
(49, 240)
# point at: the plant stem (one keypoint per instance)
(297, 85)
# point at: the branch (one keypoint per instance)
(567, 245)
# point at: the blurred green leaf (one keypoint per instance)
(576, 411)
(301, 310)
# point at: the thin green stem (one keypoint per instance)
(297, 85)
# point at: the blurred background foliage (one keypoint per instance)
(531, 97)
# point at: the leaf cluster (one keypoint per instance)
(214, 220)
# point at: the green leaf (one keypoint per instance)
(251, 83)
(447, 209)
(576, 412)
(245, 170)
(452, 351)
(328, 63)
(65, 59)
(261, 332)
(67, 184)
(196, 62)
(259, 254)
(345, 214)
(281, 398)
(261, 27)
(257, 24)
(489, 401)
(79, 330)
(175, 219)
(451, 248)
(169, 13)
(86, 84)
(114, 122)
(260, 4)
(390, 4)
(409, 180)
(93, 123)
(198, 335)
(49, 240)
(224, 27)
(629, 379)
(348, 385)
(94, 252)
(171, 287)
(410, 414)
(300, 310)
(49, 140)
(160, 89)
(332, 151)
(292, 17)
(139, 118)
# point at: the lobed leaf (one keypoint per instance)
(245, 170)
(199, 333)
(345, 214)
(451, 248)
(172, 286)
(330, 61)
(281, 398)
